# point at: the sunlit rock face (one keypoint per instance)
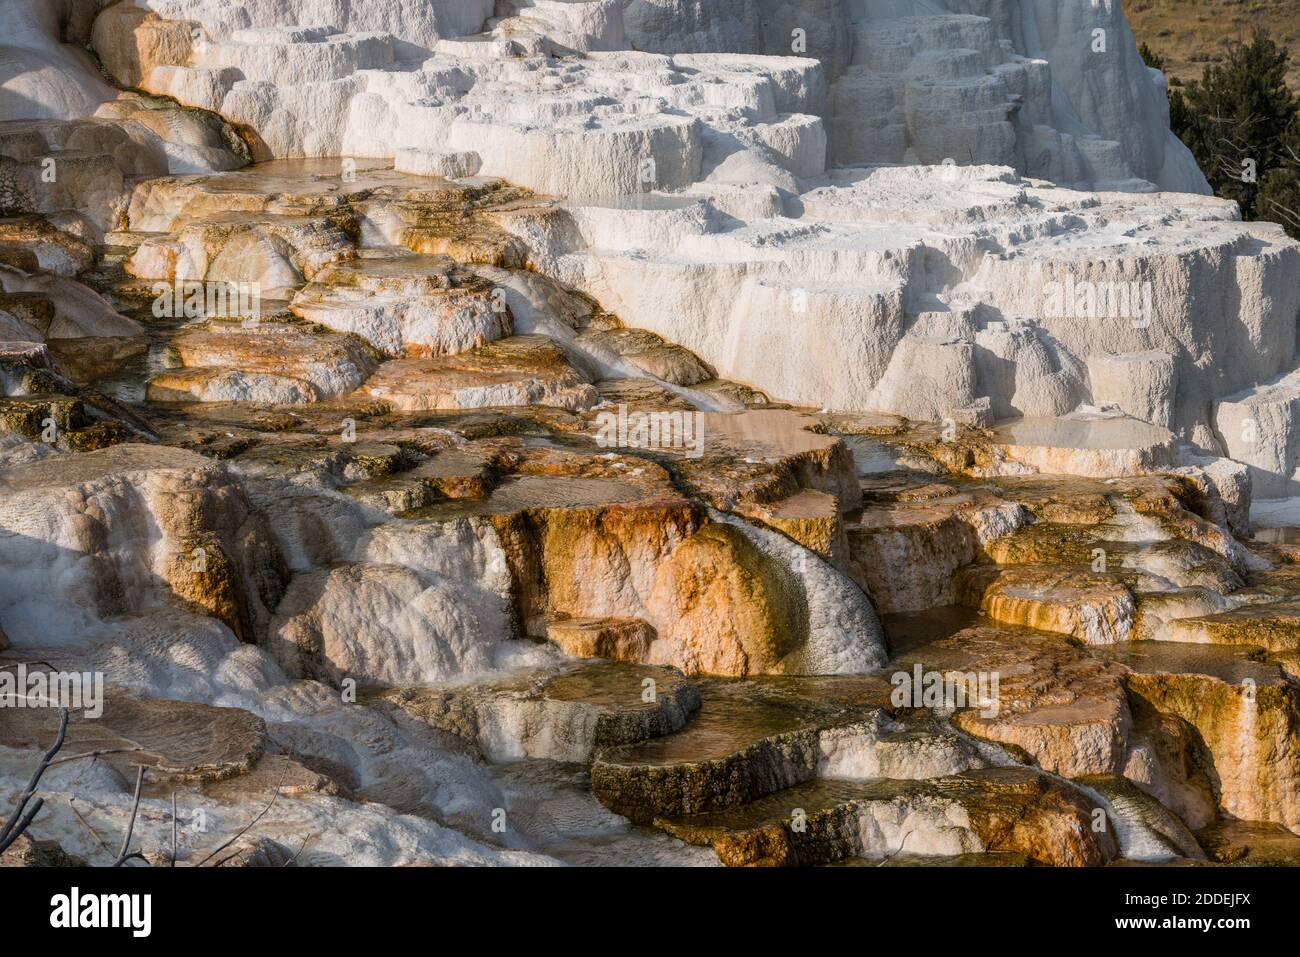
(40, 306)
(47, 75)
(565, 715)
(761, 149)
(901, 84)
(588, 539)
(34, 244)
(1026, 816)
(1248, 730)
(920, 83)
(271, 364)
(519, 371)
(863, 256)
(43, 77)
(909, 551)
(403, 316)
(642, 419)
(1056, 703)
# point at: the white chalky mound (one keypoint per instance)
(864, 211)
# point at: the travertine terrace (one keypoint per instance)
(638, 431)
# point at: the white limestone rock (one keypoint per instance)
(414, 603)
(1025, 371)
(417, 24)
(1085, 443)
(927, 378)
(562, 26)
(743, 26)
(47, 75)
(685, 135)
(589, 156)
(1225, 484)
(450, 165)
(79, 311)
(1260, 426)
(402, 310)
(42, 77)
(785, 305)
(317, 54)
(159, 514)
(1141, 385)
(921, 82)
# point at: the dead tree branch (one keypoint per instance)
(86, 824)
(122, 855)
(96, 754)
(22, 816)
(244, 830)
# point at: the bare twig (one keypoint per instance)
(122, 855)
(246, 827)
(173, 864)
(25, 664)
(96, 754)
(901, 844)
(1287, 216)
(86, 824)
(26, 821)
(301, 847)
(20, 821)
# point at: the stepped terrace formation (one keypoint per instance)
(637, 432)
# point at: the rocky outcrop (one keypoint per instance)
(1020, 347)
(177, 741)
(422, 604)
(269, 363)
(1065, 709)
(519, 371)
(619, 639)
(560, 717)
(1096, 609)
(403, 313)
(983, 812)
(623, 405)
(86, 516)
(748, 741)
(897, 77)
(1246, 720)
(909, 550)
(718, 597)
(724, 173)
(1015, 110)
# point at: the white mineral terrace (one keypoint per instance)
(391, 391)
